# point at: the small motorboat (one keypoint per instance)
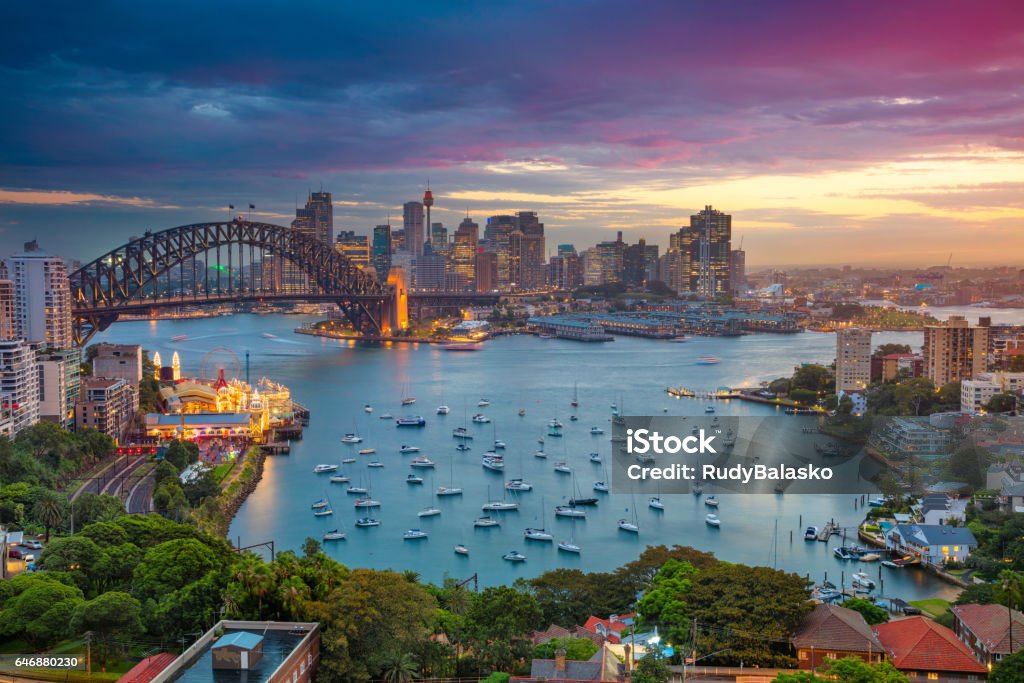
(367, 409)
(573, 502)
(421, 461)
(486, 522)
(596, 431)
(413, 479)
(348, 461)
(495, 463)
(540, 453)
(334, 535)
(711, 501)
(846, 552)
(654, 502)
(351, 438)
(626, 525)
(570, 511)
(367, 451)
(323, 468)
(480, 419)
(563, 468)
(518, 485)
(566, 546)
(414, 535)
(449, 491)
(428, 512)
(811, 533)
(364, 522)
(514, 556)
(708, 360)
(461, 550)
(531, 534)
(340, 479)
(443, 410)
(712, 520)
(461, 433)
(863, 580)
(377, 464)
(573, 418)
(522, 412)
(601, 486)
(499, 445)
(709, 409)
(408, 449)
(870, 557)
(462, 447)
(483, 403)
(386, 416)
(408, 400)
(596, 458)
(325, 512)
(891, 565)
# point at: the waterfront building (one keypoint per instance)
(42, 298)
(382, 250)
(975, 393)
(107, 405)
(925, 650)
(830, 632)
(412, 226)
(19, 385)
(463, 252)
(954, 350)
(569, 327)
(990, 631)
(60, 383)
(356, 248)
(932, 544)
(853, 359)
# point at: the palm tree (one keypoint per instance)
(49, 511)
(400, 668)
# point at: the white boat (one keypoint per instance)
(323, 468)
(499, 506)
(863, 580)
(351, 438)
(540, 454)
(563, 468)
(518, 485)
(531, 534)
(386, 416)
(356, 490)
(408, 400)
(631, 527)
(428, 512)
(601, 486)
(413, 479)
(655, 503)
(554, 423)
(514, 556)
(461, 550)
(179, 337)
(570, 511)
(708, 360)
(712, 520)
(421, 461)
(414, 535)
(484, 522)
(367, 409)
(320, 504)
(443, 410)
(481, 419)
(870, 557)
(680, 340)
(595, 457)
(376, 464)
(568, 547)
(709, 409)
(522, 412)
(596, 430)
(891, 565)
(483, 403)
(711, 501)
(409, 449)
(493, 463)
(461, 433)
(411, 421)
(348, 461)
(326, 512)
(364, 522)
(462, 447)
(367, 503)
(340, 479)
(811, 533)
(449, 491)
(334, 535)
(499, 445)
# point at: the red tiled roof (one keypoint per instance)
(919, 644)
(611, 627)
(551, 632)
(990, 623)
(829, 627)
(148, 669)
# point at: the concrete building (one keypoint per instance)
(565, 269)
(19, 385)
(894, 366)
(955, 351)
(428, 271)
(356, 248)
(486, 271)
(853, 359)
(738, 270)
(107, 405)
(382, 250)
(497, 240)
(8, 325)
(463, 252)
(122, 361)
(60, 382)
(603, 263)
(713, 235)
(42, 298)
(976, 393)
(413, 227)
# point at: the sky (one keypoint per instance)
(833, 132)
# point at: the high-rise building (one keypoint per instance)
(463, 251)
(428, 271)
(428, 201)
(356, 248)
(382, 251)
(603, 262)
(738, 270)
(60, 381)
(565, 271)
(119, 360)
(438, 238)
(679, 270)
(19, 384)
(486, 271)
(8, 311)
(42, 298)
(713, 232)
(497, 235)
(108, 405)
(639, 263)
(526, 260)
(953, 350)
(412, 225)
(316, 220)
(853, 359)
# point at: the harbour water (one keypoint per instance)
(336, 379)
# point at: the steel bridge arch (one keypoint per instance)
(128, 278)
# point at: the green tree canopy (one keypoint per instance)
(1009, 669)
(872, 613)
(578, 649)
(664, 603)
(171, 566)
(1002, 402)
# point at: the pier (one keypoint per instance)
(828, 531)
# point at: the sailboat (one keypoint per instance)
(498, 505)
(575, 396)
(535, 534)
(578, 498)
(570, 545)
(451, 489)
(498, 444)
(654, 502)
(627, 525)
(429, 511)
(407, 400)
(322, 508)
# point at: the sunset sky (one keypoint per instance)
(833, 132)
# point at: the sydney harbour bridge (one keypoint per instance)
(222, 263)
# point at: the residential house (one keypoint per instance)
(603, 666)
(555, 631)
(612, 627)
(926, 651)
(939, 508)
(933, 544)
(986, 630)
(831, 632)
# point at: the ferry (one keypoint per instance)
(351, 438)
(421, 461)
(708, 360)
(712, 520)
(324, 468)
(569, 511)
(409, 449)
(486, 522)
(414, 535)
(449, 491)
(443, 410)
(461, 550)
(514, 556)
(413, 479)
(518, 485)
(334, 535)
(367, 522)
(415, 421)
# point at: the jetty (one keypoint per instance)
(828, 531)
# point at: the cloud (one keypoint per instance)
(67, 198)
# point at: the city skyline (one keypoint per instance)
(818, 142)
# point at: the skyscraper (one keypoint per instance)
(853, 359)
(8, 328)
(316, 220)
(412, 225)
(953, 350)
(463, 252)
(639, 263)
(356, 248)
(565, 268)
(603, 262)
(42, 298)
(713, 232)
(497, 234)
(680, 267)
(526, 252)
(738, 270)
(382, 251)
(486, 271)
(438, 238)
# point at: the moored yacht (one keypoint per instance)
(626, 525)
(596, 430)
(480, 419)
(409, 449)
(570, 511)
(367, 503)
(340, 479)
(531, 534)
(413, 479)
(364, 522)
(518, 485)
(368, 409)
(712, 520)
(499, 506)
(485, 522)
(334, 535)
(351, 438)
(493, 462)
(421, 461)
(568, 547)
(414, 535)
(601, 486)
(443, 410)
(449, 491)
(514, 556)
(562, 467)
(655, 503)
(428, 512)
(323, 468)
(461, 550)
(411, 421)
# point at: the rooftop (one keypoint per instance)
(919, 644)
(830, 627)
(937, 534)
(992, 627)
(242, 639)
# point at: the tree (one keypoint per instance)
(804, 396)
(578, 649)
(977, 594)
(812, 377)
(652, 668)
(872, 613)
(847, 670)
(400, 668)
(90, 507)
(1010, 669)
(171, 566)
(181, 453)
(888, 349)
(498, 623)
(968, 465)
(664, 603)
(38, 609)
(49, 510)
(73, 554)
(1003, 402)
(112, 617)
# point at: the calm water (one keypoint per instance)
(336, 379)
